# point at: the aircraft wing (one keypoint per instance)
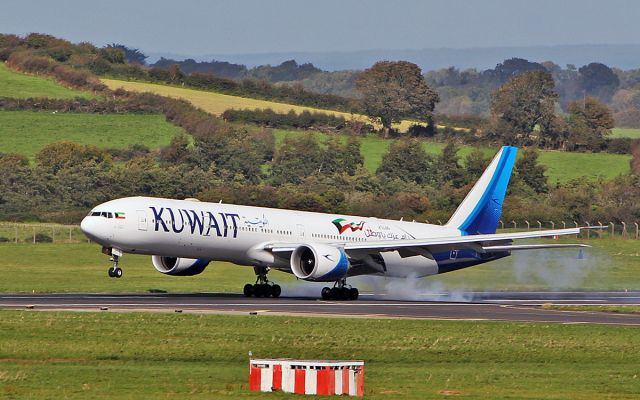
(481, 243)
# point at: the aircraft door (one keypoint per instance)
(301, 231)
(142, 220)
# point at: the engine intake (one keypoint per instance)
(319, 262)
(179, 266)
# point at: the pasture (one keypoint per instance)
(26, 132)
(151, 355)
(22, 86)
(561, 166)
(633, 133)
(217, 103)
(81, 267)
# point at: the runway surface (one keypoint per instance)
(498, 306)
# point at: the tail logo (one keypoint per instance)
(342, 225)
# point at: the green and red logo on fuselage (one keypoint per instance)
(120, 215)
(343, 225)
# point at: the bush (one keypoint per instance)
(272, 119)
(619, 145)
(40, 238)
(4, 239)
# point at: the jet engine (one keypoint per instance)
(319, 262)
(179, 266)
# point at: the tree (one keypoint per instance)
(393, 90)
(510, 68)
(296, 159)
(590, 122)
(524, 103)
(133, 56)
(475, 163)
(598, 80)
(532, 173)
(447, 167)
(112, 54)
(406, 160)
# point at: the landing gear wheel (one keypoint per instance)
(248, 290)
(326, 293)
(276, 290)
(353, 294)
(117, 272)
(110, 272)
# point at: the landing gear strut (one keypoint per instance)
(115, 271)
(340, 291)
(263, 287)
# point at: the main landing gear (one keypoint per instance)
(340, 291)
(115, 271)
(263, 287)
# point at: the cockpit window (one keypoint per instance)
(104, 214)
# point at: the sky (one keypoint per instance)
(199, 27)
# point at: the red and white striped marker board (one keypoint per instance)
(307, 376)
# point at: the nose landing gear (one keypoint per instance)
(340, 291)
(115, 271)
(263, 287)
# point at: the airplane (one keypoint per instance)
(184, 236)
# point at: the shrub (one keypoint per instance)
(40, 238)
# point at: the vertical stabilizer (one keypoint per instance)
(480, 211)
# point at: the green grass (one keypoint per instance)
(633, 133)
(26, 132)
(609, 309)
(610, 264)
(561, 166)
(142, 355)
(18, 85)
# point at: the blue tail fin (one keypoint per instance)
(480, 211)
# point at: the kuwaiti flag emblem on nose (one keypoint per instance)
(343, 225)
(120, 215)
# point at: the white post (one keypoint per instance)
(34, 234)
(637, 231)
(528, 226)
(539, 224)
(553, 225)
(588, 224)
(624, 230)
(612, 229)
(515, 226)
(564, 225)
(501, 224)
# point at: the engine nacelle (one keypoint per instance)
(319, 262)
(179, 266)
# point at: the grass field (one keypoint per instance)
(626, 132)
(140, 356)
(80, 267)
(18, 85)
(26, 132)
(561, 166)
(217, 103)
(610, 309)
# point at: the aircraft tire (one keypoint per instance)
(110, 272)
(353, 294)
(248, 290)
(117, 273)
(326, 293)
(257, 290)
(276, 291)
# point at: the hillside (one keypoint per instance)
(26, 132)
(17, 85)
(216, 103)
(561, 166)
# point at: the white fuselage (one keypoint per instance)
(238, 234)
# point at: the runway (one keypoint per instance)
(480, 306)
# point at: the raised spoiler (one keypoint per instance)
(470, 241)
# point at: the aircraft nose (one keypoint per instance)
(90, 226)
